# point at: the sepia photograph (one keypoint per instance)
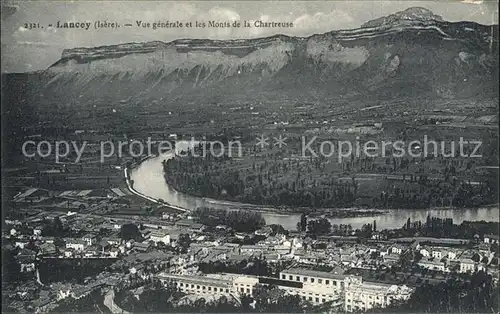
(250, 156)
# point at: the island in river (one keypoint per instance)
(149, 180)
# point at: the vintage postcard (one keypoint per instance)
(250, 156)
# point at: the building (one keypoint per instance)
(397, 249)
(265, 232)
(314, 278)
(362, 296)
(76, 244)
(199, 285)
(252, 249)
(90, 239)
(491, 238)
(37, 232)
(425, 253)
(137, 269)
(113, 240)
(47, 249)
(437, 254)
(452, 255)
(467, 265)
(160, 236)
(432, 265)
(142, 247)
(312, 286)
(26, 263)
(114, 252)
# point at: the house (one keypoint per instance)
(384, 250)
(197, 227)
(437, 254)
(90, 239)
(104, 246)
(184, 223)
(222, 228)
(431, 265)
(264, 232)
(48, 239)
(113, 240)
(390, 259)
(89, 253)
(114, 252)
(159, 236)
(142, 247)
(64, 293)
(467, 265)
(397, 249)
(21, 243)
(452, 255)
(47, 249)
(272, 257)
(26, 259)
(76, 244)
(425, 253)
(137, 269)
(251, 249)
(491, 238)
(68, 253)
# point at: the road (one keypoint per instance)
(109, 302)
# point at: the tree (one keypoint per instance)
(11, 268)
(271, 299)
(417, 257)
(319, 226)
(303, 222)
(130, 231)
(184, 242)
(59, 243)
(476, 295)
(278, 229)
(245, 300)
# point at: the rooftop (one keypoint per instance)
(313, 273)
(197, 279)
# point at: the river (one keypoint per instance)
(148, 180)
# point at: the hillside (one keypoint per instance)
(412, 53)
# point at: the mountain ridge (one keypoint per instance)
(408, 54)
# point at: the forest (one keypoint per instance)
(315, 183)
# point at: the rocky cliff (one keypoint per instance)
(412, 52)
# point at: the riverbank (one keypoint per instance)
(149, 180)
(356, 209)
(135, 192)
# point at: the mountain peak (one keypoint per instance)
(413, 14)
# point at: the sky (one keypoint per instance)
(26, 50)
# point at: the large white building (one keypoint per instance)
(160, 236)
(199, 285)
(467, 265)
(312, 286)
(362, 296)
(315, 286)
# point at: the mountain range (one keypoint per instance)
(412, 53)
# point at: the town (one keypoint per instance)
(85, 245)
(364, 178)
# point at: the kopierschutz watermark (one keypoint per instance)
(372, 149)
(309, 147)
